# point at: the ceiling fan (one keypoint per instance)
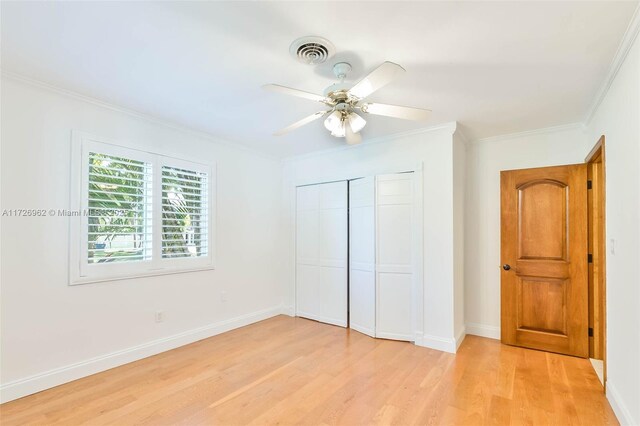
(343, 102)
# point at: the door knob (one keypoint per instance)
(506, 267)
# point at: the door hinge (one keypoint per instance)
(590, 258)
(590, 332)
(589, 184)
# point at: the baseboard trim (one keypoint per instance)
(483, 330)
(438, 343)
(619, 408)
(460, 337)
(288, 310)
(57, 376)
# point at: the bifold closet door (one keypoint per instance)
(321, 252)
(362, 256)
(394, 271)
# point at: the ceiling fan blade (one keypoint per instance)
(377, 79)
(301, 123)
(352, 137)
(294, 92)
(407, 113)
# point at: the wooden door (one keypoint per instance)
(544, 287)
(321, 252)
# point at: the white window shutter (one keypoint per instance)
(119, 209)
(185, 213)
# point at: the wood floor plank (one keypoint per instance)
(294, 371)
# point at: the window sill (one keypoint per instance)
(152, 273)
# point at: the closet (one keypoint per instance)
(354, 255)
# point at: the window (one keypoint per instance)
(138, 213)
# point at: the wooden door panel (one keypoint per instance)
(544, 241)
(542, 223)
(541, 304)
(542, 268)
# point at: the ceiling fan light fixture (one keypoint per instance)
(340, 131)
(356, 122)
(333, 121)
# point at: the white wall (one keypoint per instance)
(47, 325)
(485, 160)
(618, 118)
(434, 150)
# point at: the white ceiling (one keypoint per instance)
(496, 67)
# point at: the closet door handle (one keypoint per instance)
(506, 267)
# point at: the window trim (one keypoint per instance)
(80, 271)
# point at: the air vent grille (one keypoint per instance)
(312, 50)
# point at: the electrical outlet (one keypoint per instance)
(159, 316)
(223, 296)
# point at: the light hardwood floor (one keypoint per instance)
(294, 371)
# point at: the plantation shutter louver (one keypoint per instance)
(119, 209)
(185, 213)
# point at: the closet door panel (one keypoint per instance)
(307, 237)
(394, 295)
(362, 248)
(362, 301)
(362, 280)
(308, 197)
(394, 189)
(307, 277)
(332, 296)
(321, 252)
(394, 271)
(394, 236)
(333, 195)
(332, 240)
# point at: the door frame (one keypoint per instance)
(596, 174)
(417, 288)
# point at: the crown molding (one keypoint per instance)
(541, 131)
(450, 126)
(133, 113)
(621, 54)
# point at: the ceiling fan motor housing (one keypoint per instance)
(339, 90)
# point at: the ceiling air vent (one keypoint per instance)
(312, 50)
